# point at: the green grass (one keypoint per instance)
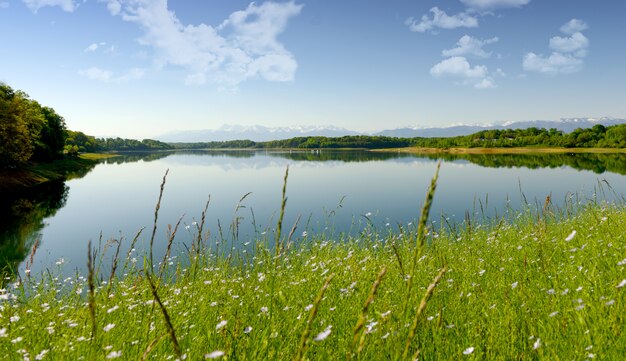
(523, 288)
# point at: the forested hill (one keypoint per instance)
(597, 136)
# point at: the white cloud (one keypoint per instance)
(485, 83)
(556, 63)
(577, 43)
(568, 52)
(66, 5)
(94, 46)
(458, 66)
(469, 46)
(494, 4)
(574, 26)
(243, 46)
(442, 20)
(106, 76)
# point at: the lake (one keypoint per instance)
(331, 191)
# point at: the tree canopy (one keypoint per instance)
(28, 131)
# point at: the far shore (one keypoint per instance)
(518, 150)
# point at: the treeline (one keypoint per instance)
(597, 136)
(28, 130)
(79, 142)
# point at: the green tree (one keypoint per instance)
(19, 125)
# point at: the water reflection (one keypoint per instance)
(23, 217)
(595, 162)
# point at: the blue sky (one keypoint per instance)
(140, 68)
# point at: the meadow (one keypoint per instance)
(545, 282)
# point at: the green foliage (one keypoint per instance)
(598, 136)
(28, 131)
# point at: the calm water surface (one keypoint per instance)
(331, 191)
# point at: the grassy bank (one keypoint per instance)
(14, 180)
(499, 150)
(547, 284)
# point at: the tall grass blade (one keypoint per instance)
(156, 217)
(421, 308)
(307, 330)
(283, 204)
(421, 233)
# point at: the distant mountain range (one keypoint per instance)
(565, 125)
(259, 133)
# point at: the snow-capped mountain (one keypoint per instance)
(566, 125)
(259, 133)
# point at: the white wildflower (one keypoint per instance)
(108, 327)
(14, 318)
(248, 329)
(322, 335)
(468, 351)
(3, 332)
(41, 355)
(571, 236)
(514, 284)
(16, 340)
(221, 325)
(114, 354)
(622, 284)
(113, 308)
(537, 344)
(214, 354)
(309, 306)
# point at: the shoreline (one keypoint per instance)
(516, 150)
(33, 175)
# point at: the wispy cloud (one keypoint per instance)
(65, 5)
(95, 73)
(441, 20)
(470, 46)
(4, 4)
(243, 46)
(494, 4)
(107, 76)
(94, 46)
(568, 52)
